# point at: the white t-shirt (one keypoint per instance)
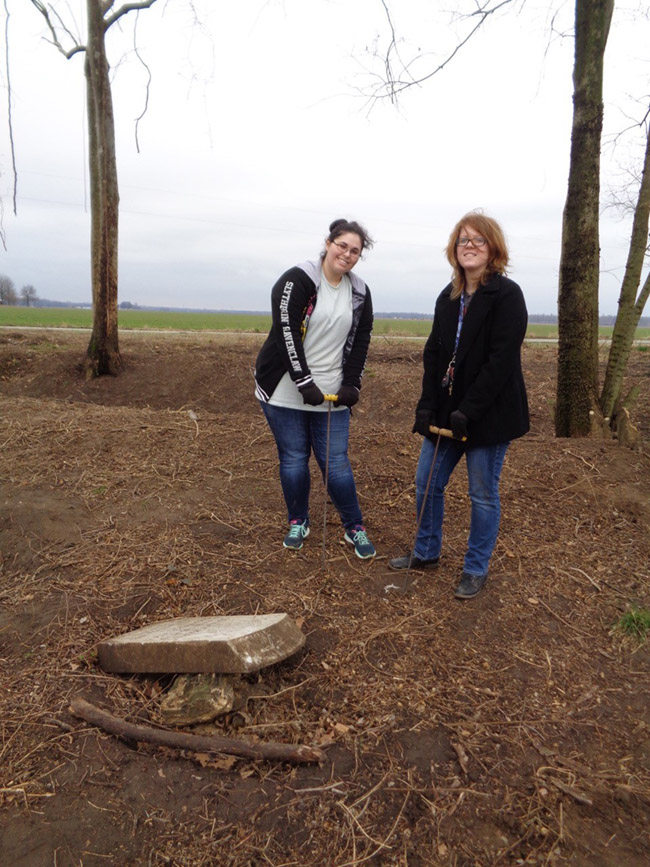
(329, 326)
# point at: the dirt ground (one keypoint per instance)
(510, 729)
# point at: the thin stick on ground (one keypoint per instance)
(300, 754)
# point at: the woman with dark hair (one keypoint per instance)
(473, 384)
(318, 344)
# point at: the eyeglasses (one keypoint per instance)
(345, 248)
(478, 241)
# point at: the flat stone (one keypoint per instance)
(235, 644)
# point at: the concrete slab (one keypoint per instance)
(236, 644)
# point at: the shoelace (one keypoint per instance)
(295, 530)
(361, 537)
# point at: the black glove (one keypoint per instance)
(348, 396)
(458, 421)
(422, 422)
(311, 394)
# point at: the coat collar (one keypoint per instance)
(478, 309)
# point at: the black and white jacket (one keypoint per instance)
(293, 299)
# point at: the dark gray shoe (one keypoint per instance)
(469, 586)
(416, 563)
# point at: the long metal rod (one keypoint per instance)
(441, 432)
(330, 398)
(424, 502)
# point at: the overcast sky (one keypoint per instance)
(257, 135)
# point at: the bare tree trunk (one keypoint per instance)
(103, 355)
(630, 307)
(577, 381)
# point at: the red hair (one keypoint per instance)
(489, 229)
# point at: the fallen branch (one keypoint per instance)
(300, 754)
(569, 790)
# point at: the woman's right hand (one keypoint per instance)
(422, 422)
(311, 394)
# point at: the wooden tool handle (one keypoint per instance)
(444, 432)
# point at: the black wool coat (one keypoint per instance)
(488, 381)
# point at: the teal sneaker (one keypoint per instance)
(358, 537)
(297, 533)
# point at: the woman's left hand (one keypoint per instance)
(458, 421)
(348, 395)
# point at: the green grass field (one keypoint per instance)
(150, 320)
(73, 317)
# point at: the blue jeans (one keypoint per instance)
(298, 433)
(484, 464)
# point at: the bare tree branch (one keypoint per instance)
(10, 120)
(55, 41)
(635, 124)
(124, 10)
(391, 47)
(146, 96)
(623, 197)
(64, 26)
(296, 753)
(393, 84)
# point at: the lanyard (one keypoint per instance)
(448, 378)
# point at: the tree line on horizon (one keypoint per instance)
(29, 298)
(9, 295)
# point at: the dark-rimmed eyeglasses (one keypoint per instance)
(345, 248)
(478, 241)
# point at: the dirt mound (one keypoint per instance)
(511, 729)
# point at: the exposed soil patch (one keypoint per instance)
(511, 729)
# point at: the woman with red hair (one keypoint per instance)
(473, 384)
